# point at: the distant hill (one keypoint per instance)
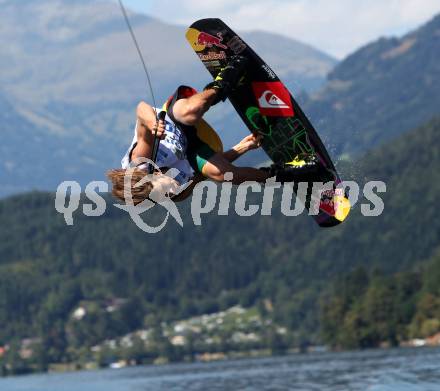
(74, 76)
(180, 272)
(380, 91)
(34, 157)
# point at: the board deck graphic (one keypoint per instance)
(267, 107)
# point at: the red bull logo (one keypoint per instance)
(211, 40)
(200, 40)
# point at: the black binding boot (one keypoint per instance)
(228, 78)
(304, 168)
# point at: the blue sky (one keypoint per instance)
(336, 26)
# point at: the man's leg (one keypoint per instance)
(189, 111)
(217, 166)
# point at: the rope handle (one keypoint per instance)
(160, 117)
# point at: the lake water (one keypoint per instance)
(378, 370)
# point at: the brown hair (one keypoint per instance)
(138, 193)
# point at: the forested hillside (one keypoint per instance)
(47, 268)
(380, 91)
(365, 308)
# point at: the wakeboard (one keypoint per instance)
(267, 107)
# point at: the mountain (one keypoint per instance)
(380, 91)
(74, 76)
(295, 63)
(32, 157)
(46, 267)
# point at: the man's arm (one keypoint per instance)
(145, 132)
(247, 144)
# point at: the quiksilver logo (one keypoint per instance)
(268, 100)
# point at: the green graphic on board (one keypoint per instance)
(287, 138)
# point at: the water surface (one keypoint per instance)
(375, 370)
